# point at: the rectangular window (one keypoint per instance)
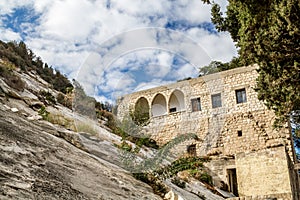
(172, 110)
(240, 133)
(191, 150)
(216, 100)
(196, 104)
(241, 96)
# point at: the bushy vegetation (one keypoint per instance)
(267, 33)
(65, 99)
(186, 163)
(44, 113)
(46, 97)
(155, 178)
(6, 71)
(157, 185)
(86, 127)
(128, 130)
(140, 115)
(125, 146)
(217, 66)
(20, 56)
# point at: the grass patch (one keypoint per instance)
(87, 127)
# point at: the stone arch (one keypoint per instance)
(141, 111)
(176, 101)
(159, 105)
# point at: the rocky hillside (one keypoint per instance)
(41, 160)
(36, 163)
(48, 151)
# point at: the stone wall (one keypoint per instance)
(283, 196)
(237, 133)
(229, 129)
(263, 172)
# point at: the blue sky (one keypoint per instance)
(107, 44)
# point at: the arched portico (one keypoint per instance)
(159, 105)
(176, 101)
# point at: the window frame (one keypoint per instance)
(192, 149)
(220, 101)
(197, 102)
(241, 96)
(173, 110)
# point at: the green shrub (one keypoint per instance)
(140, 115)
(206, 178)
(125, 146)
(179, 165)
(46, 97)
(157, 185)
(44, 113)
(60, 98)
(64, 100)
(154, 178)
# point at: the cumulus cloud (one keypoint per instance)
(151, 84)
(105, 44)
(217, 46)
(9, 35)
(186, 71)
(8, 6)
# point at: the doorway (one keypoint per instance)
(232, 181)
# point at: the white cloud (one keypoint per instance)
(151, 84)
(42, 6)
(192, 11)
(9, 35)
(68, 31)
(161, 64)
(116, 80)
(217, 46)
(7, 6)
(186, 71)
(69, 20)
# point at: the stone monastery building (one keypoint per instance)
(249, 158)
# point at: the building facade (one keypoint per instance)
(249, 157)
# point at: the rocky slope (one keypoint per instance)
(35, 164)
(43, 160)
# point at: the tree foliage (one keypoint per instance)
(217, 66)
(267, 32)
(21, 56)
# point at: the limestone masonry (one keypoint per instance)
(250, 158)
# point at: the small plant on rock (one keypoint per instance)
(44, 113)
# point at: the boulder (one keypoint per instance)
(8, 90)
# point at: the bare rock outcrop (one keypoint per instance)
(35, 164)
